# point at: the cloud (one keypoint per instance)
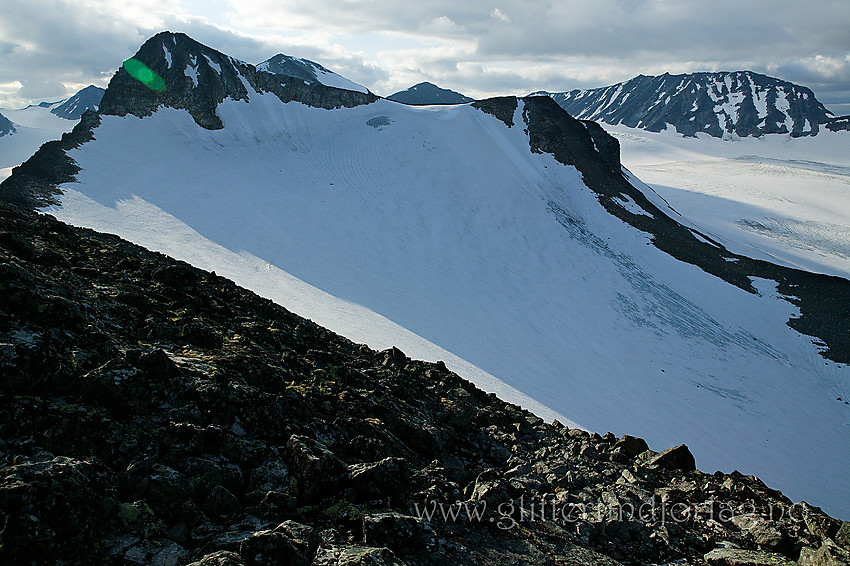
(497, 14)
(46, 88)
(474, 46)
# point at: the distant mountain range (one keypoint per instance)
(721, 104)
(429, 93)
(74, 107)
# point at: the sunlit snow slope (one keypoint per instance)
(776, 197)
(442, 221)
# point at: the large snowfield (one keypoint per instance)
(783, 199)
(437, 230)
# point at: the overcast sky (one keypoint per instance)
(52, 48)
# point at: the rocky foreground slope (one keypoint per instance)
(153, 413)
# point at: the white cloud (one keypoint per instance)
(497, 14)
(440, 25)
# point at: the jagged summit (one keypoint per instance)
(198, 78)
(429, 93)
(308, 70)
(86, 99)
(6, 126)
(742, 103)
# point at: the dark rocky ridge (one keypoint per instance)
(153, 413)
(86, 99)
(34, 183)
(839, 123)
(428, 93)
(694, 103)
(6, 126)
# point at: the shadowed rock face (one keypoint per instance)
(155, 413)
(741, 103)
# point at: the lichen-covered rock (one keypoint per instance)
(59, 508)
(220, 558)
(373, 479)
(740, 557)
(829, 554)
(356, 556)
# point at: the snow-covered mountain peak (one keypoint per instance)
(73, 108)
(308, 70)
(6, 126)
(429, 93)
(721, 104)
(198, 78)
(194, 77)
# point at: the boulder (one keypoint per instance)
(676, 458)
(630, 446)
(829, 554)
(400, 533)
(221, 506)
(286, 544)
(379, 480)
(318, 472)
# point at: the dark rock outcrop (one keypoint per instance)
(839, 123)
(304, 69)
(197, 79)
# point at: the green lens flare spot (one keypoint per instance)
(144, 74)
